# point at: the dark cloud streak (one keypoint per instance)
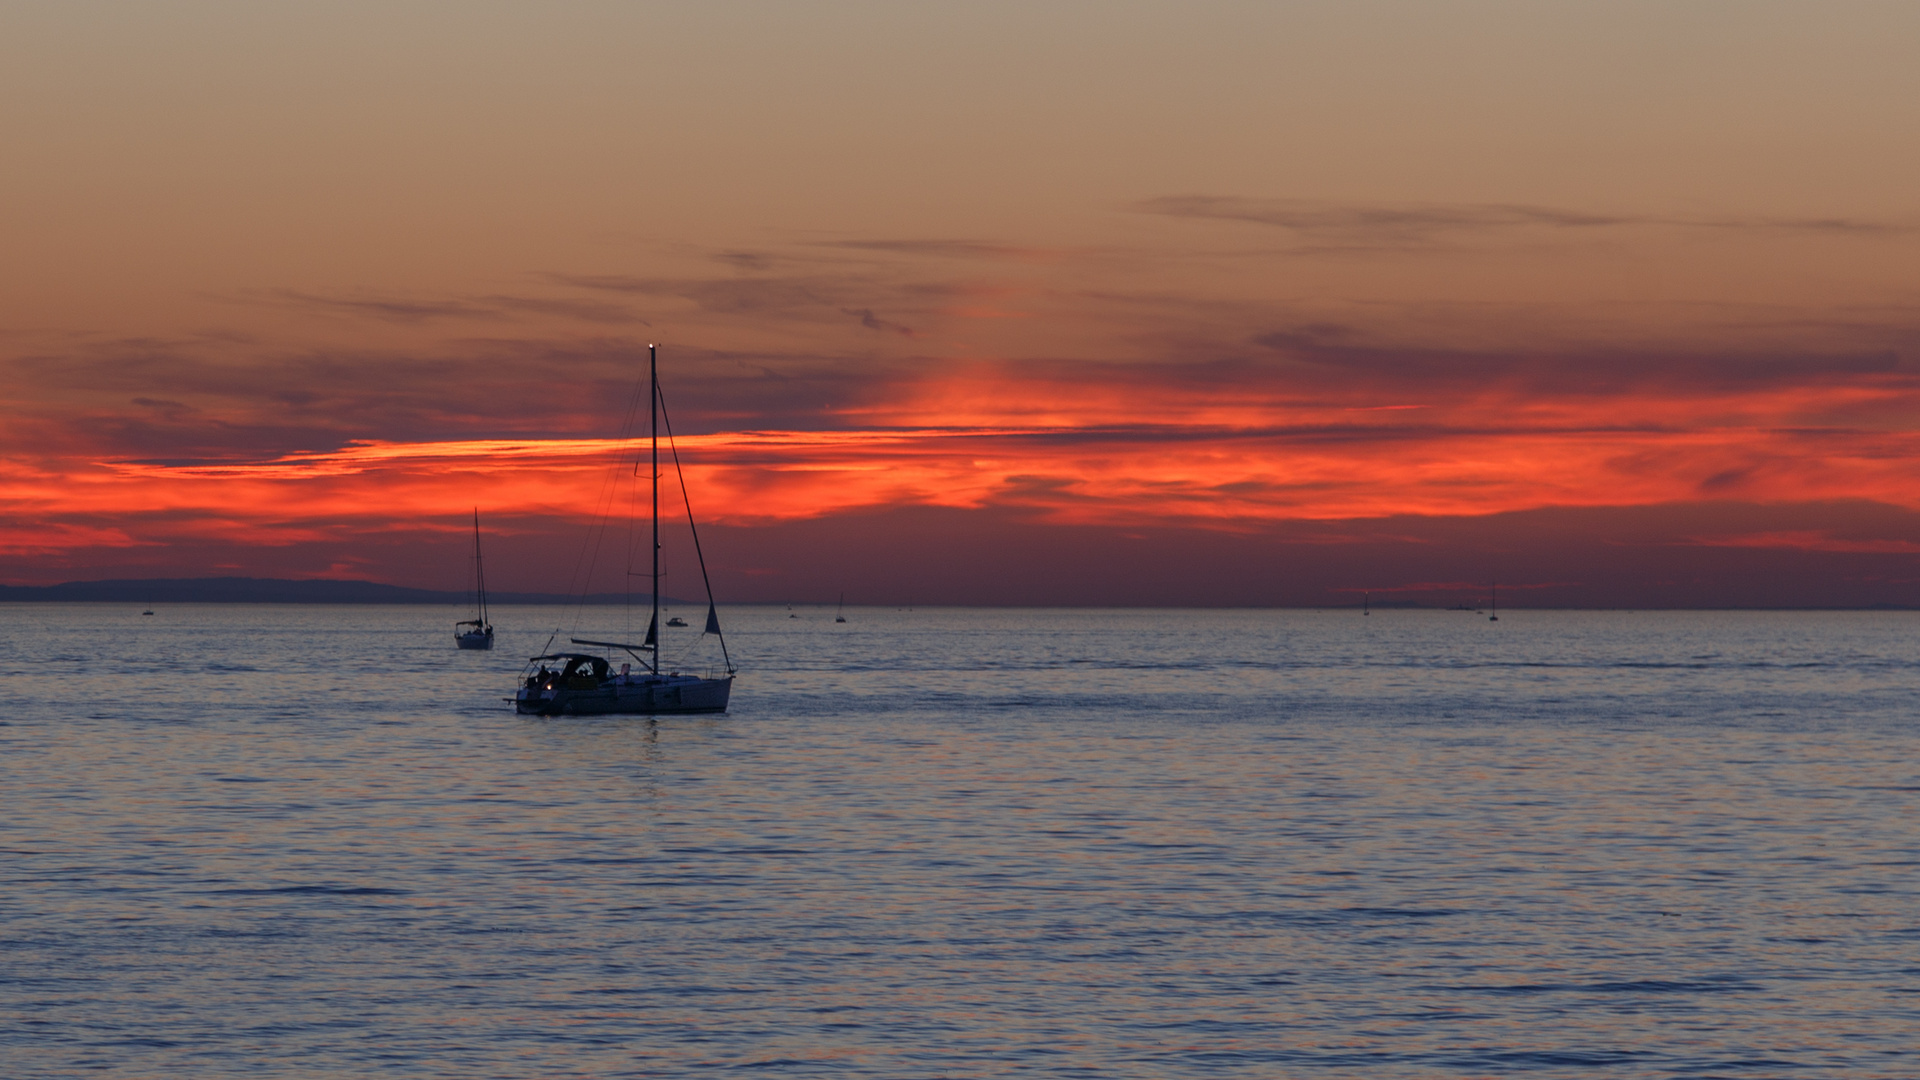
(1423, 224)
(478, 308)
(946, 249)
(873, 322)
(1583, 370)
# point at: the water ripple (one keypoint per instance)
(310, 842)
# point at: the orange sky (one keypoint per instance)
(289, 292)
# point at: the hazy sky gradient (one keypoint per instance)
(278, 283)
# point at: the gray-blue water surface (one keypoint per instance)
(314, 842)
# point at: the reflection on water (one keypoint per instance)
(315, 842)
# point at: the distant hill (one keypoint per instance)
(245, 590)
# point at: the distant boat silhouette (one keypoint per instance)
(481, 636)
(837, 616)
(1363, 605)
(1495, 606)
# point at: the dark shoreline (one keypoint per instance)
(244, 590)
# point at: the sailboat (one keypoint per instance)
(1364, 610)
(1495, 606)
(476, 633)
(839, 613)
(585, 684)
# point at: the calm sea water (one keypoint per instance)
(314, 842)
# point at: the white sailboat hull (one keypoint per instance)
(638, 696)
(474, 639)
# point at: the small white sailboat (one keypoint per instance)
(477, 632)
(585, 684)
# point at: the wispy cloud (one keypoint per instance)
(410, 310)
(1345, 353)
(1422, 224)
(736, 296)
(873, 322)
(947, 249)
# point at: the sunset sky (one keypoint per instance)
(1087, 303)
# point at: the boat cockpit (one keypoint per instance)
(571, 671)
(580, 671)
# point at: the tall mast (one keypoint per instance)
(479, 572)
(653, 411)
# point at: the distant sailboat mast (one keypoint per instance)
(1364, 610)
(1495, 606)
(653, 411)
(477, 632)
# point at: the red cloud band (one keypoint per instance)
(1215, 457)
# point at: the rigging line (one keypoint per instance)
(691, 527)
(588, 556)
(633, 531)
(596, 533)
